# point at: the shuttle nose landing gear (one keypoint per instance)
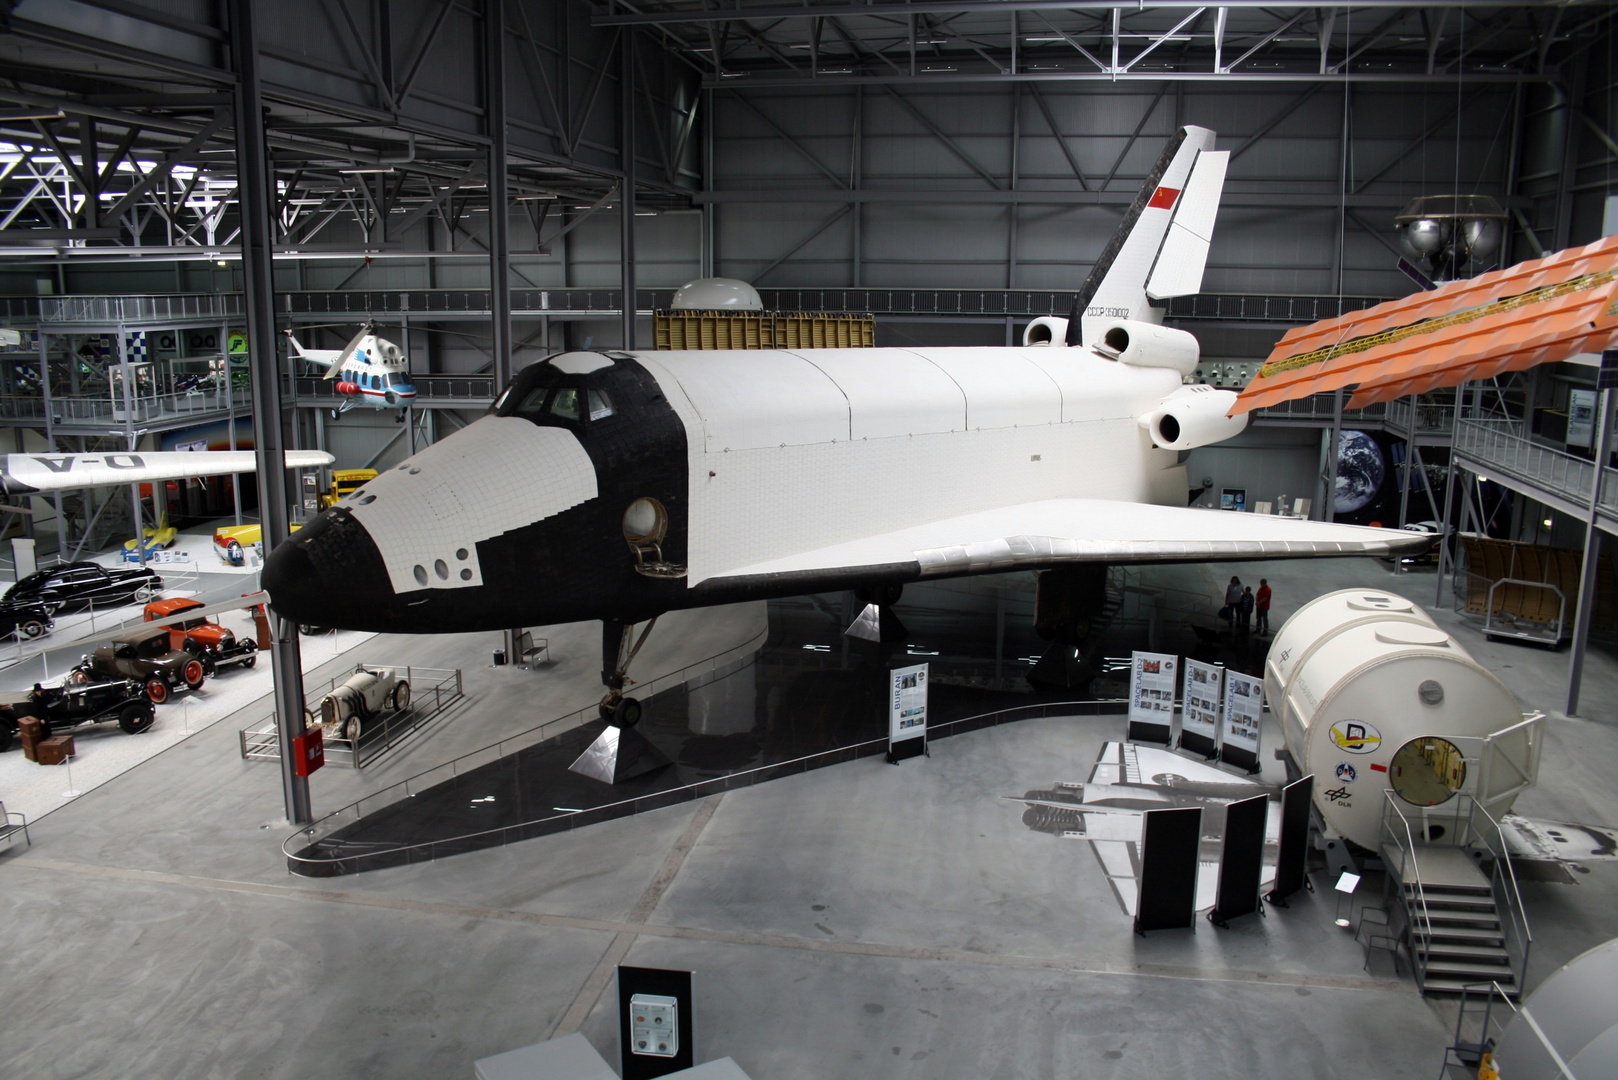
(619, 752)
(617, 653)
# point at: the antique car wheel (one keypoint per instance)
(401, 696)
(157, 690)
(145, 593)
(32, 627)
(78, 677)
(250, 661)
(136, 717)
(308, 719)
(351, 730)
(193, 674)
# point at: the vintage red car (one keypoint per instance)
(202, 637)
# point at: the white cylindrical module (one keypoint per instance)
(1373, 695)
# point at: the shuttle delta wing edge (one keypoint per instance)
(1055, 531)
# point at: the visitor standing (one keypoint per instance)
(1233, 597)
(1261, 606)
(1244, 609)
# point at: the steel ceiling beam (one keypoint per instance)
(938, 7)
(1037, 197)
(1471, 78)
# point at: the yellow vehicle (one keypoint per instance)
(344, 482)
(162, 536)
(230, 542)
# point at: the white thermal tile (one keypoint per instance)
(1095, 388)
(757, 397)
(892, 391)
(1003, 387)
(439, 503)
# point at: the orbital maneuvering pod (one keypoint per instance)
(1373, 698)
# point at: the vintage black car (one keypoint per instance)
(123, 700)
(76, 586)
(26, 618)
(143, 654)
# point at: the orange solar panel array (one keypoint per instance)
(1536, 312)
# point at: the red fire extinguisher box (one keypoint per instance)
(308, 751)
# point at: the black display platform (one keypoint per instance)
(809, 699)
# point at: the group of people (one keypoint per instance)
(1241, 604)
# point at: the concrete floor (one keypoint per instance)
(860, 920)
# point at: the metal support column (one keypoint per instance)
(494, 60)
(1404, 473)
(1592, 547)
(254, 192)
(1446, 555)
(50, 431)
(626, 196)
(1328, 504)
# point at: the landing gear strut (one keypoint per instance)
(619, 647)
(619, 753)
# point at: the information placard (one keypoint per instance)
(1242, 721)
(907, 712)
(1199, 715)
(1152, 678)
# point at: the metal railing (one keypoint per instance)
(428, 702)
(100, 410)
(1424, 418)
(1552, 633)
(1465, 1053)
(1407, 870)
(171, 308)
(1320, 407)
(1459, 825)
(302, 858)
(364, 303)
(714, 667)
(1504, 447)
(340, 858)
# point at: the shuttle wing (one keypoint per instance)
(1056, 531)
(25, 474)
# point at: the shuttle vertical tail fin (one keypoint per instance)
(1161, 247)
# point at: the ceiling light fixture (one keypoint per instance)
(31, 114)
(359, 170)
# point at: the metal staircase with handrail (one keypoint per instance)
(1465, 920)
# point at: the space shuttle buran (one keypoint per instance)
(621, 485)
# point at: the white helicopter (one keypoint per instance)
(369, 370)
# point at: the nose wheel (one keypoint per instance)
(619, 647)
(620, 711)
(620, 752)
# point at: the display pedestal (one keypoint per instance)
(1145, 731)
(878, 623)
(617, 755)
(1239, 757)
(1193, 742)
(908, 748)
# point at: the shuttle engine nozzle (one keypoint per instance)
(1145, 344)
(1193, 416)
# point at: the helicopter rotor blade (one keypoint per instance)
(348, 351)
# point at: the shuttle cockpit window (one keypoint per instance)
(538, 395)
(565, 403)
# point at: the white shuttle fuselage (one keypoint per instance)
(619, 485)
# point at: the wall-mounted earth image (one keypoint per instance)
(1360, 471)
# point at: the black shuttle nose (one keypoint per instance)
(330, 573)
